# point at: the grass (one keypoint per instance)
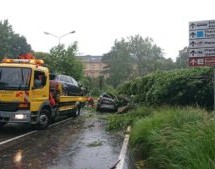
(121, 121)
(176, 138)
(170, 137)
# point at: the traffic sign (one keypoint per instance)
(201, 52)
(199, 34)
(202, 61)
(202, 43)
(196, 62)
(208, 24)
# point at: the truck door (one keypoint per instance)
(40, 89)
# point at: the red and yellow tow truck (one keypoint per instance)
(28, 96)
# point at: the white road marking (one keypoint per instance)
(124, 149)
(16, 138)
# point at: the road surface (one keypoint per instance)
(80, 143)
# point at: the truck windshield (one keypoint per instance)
(12, 78)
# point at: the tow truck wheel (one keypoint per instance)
(44, 119)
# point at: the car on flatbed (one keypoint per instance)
(70, 86)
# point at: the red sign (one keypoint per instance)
(202, 61)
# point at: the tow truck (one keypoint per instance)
(22, 100)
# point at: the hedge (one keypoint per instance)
(191, 86)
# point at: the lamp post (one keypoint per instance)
(58, 37)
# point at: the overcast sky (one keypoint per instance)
(99, 22)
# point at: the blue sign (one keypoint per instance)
(200, 34)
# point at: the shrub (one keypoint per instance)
(121, 121)
(176, 138)
(179, 87)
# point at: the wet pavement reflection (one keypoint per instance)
(80, 143)
(94, 148)
(13, 130)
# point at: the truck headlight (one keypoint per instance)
(20, 116)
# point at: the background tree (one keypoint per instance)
(134, 57)
(11, 44)
(147, 56)
(42, 55)
(94, 85)
(182, 59)
(119, 63)
(63, 61)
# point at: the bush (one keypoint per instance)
(179, 87)
(176, 138)
(121, 121)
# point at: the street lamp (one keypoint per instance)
(58, 37)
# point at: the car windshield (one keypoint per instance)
(12, 78)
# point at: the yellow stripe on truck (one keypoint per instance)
(73, 98)
(68, 107)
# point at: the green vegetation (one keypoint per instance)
(176, 138)
(132, 57)
(121, 121)
(170, 137)
(193, 87)
(182, 59)
(69, 65)
(11, 43)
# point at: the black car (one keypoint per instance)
(70, 86)
(107, 102)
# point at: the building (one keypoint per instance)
(93, 66)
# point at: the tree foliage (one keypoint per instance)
(176, 87)
(147, 55)
(182, 59)
(134, 57)
(11, 44)
(94, 86)
(119, 62)
(61, 60)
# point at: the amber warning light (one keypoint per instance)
(30, 61)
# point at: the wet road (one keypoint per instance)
(80, 143)
(13, 130)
